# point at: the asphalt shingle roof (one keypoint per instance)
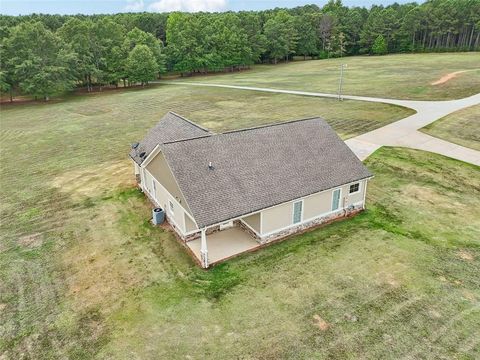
(260, 167)
(171, 127)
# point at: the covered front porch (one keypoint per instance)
(220, 245)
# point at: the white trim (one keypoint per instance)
(261, 221)
(156, 203)
(176, 182)
(203, 248)
(283, 203)
(301, 211)
(307, 220)
(364, 194)
(340, 206)
(150, 156)
(355, 192)
(153, 154)
(142, 179)
(173, 198)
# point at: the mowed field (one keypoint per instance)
(461, 127)
(84, 274)
(402, 76)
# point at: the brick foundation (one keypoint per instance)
(245, 228)
(311, 224)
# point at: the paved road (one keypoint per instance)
(400, 133)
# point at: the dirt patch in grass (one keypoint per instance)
(320, 323)
(100, 266)
(117, 252)
(389, 279)
(448, 77)
(31, 241)
(465, 255)
(95, 181)
(427, 195)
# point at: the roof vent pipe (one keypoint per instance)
(210, 166)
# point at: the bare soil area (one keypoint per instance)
(447, 77)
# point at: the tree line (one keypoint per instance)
(42, 55)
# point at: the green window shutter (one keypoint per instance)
(297, 212)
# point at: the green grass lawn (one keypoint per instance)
(461, 127)
(83, 274)
(400, 280)
(402, 76)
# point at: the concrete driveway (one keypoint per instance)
(403, 132)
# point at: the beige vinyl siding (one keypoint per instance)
(159, 168)
(162, 198)
(253, 221)
(147, 182)
(316, 205)
(277, 217)
(189, 224)
(354, 198)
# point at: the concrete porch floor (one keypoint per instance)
(224, 244)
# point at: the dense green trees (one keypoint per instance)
(82, 52)
(201, 43)
(41, 55)
(379, 47)
(141, 65)
(37, 61)
(281, 36)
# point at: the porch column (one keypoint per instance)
(203, 249)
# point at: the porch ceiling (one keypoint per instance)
(224, 244)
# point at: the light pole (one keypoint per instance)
(340, 84)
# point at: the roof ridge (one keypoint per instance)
(245, 129)
(187, 139)
(272, 125)
(191, 122)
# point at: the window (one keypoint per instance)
(297, 212)
(154, 186)
(336, 199)
(170, 205)
(354, 188)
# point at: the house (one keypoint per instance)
(231, 192)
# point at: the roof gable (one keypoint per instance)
(260, 167)
(170, 128)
